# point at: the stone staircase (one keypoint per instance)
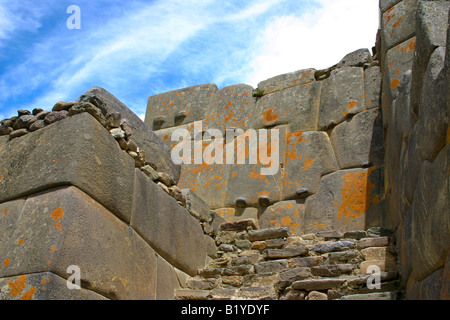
(270, 264)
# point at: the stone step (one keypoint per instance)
(394, 295)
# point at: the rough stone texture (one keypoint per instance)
(168, 228)
(317, 284)
(209, 182)
(372, 87)
(287, 80)
(356, 59)
(398, 23)
(334, 246)
(297, 106)
(264, 234)
(64, 227)
(433, 108)
(196, 206)
(156, 151)
(359, 142)
(342, 95)
(73, 151)
(290, 214)
(346, 200)
(178, 107)
(42, 286)
(309, 156)
(430, 218)
(230, 108)
(166, 280)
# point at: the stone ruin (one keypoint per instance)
(363, 182)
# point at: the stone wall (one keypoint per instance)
(89, 185)
(415, 61)
(331, 153)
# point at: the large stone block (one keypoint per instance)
(356, 59)
(238, 214)
(398, 61)
(398, 23)
(433, 108)
(342, 95)
(247, 183)
(178, 107)
(431, 31)
(387, 4)
(77, 151)
(290, 214)
(359, 142)
(156, 151)
(297, 106)
(309, 156)
(167, 227)
(346, 200)
(372, 87)
(208, 181)
(42, 286)
(166, 281)
(287, 80)
(65, 227)
(231, 107)
(196, 206)
(430, 217)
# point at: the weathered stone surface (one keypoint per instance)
(55, 116)
(287, 252)
(356, 59)
(174, 108)
(287, 80)
(305, 261)
(318, 284)
(196, 206)
(346, 200)
(42, 286)
(209, 182)
(239, 270)
(333, 246)
(316, 295)
(237, 214)
(271, 266)
(63, 105)
(166, 280)
(359, 142)
(74, 151)
(203, 284)
(398, 23)
(223, 294)
(387, 4)
(372, 87)
(373, 296)
(379, 253)
(4, 130)
(268, 279)
(38, 124)
(22, 121)
(309, 156)
(257, 292)
(430, 218)
(332, 270)
(288, 214)
(230, 108)
(264, 234)
(384, 265)
(288, 276)
(238, 225)
(355, 234)
(64, 227)
(157, 152)
(167, 227)
(431, 31)
(345, 256)
(342, 95)
(433, 108)
(373, 242)
(431, 286)
(297, 106)
(189, 294)
(17, 133)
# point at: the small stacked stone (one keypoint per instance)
(26, 122)
(271, 264)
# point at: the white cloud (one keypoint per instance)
(318, 39)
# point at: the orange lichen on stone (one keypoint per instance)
(17, 286)
(6, 262)
(263, 194)
(29, 294)
(270, 116)
(395, 83)
(395, 25)
(356, 190)
(57, 216)
(20, 241)
(308, 163)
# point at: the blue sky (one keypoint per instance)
(136, 48)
